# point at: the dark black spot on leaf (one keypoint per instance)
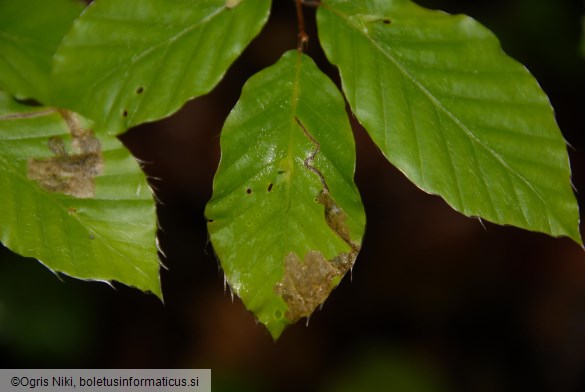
(29, 102)
(270, 187)
(140, 90)
(248, 191)
(125, 113)
(386, 21)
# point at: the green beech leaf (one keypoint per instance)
(286, 220)
(127, 62)
(77, 202)
(30, 32)
(452, 111)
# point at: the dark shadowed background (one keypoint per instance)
(437, 302)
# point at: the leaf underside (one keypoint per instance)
(30, 32)
(77, 202)
(452, 111)
(286, 220)
(128, 62)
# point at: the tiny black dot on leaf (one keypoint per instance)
(248, 191)
(386, 21)
(140, 90)
(270, 187)
(125, 113)
(28, 102)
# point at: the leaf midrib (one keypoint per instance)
(290, 153)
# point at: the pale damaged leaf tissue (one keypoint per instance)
(70, 173)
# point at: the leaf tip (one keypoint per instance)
(276, 331)
(158, 294)
(275, 323)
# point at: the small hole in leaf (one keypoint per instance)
(125, 113)
(386, 21)
(270, 187)
(248, 191)
(140, 90)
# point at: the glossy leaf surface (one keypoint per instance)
(127, 62)
(77, 202)
(30, 32)
(452, 111)
(286, 220)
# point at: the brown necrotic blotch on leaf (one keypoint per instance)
(307, 283)
(334, 216)
(71, 174)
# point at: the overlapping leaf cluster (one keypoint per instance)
(435, 92)
(117, 64)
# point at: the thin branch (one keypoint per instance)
(303, 39)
